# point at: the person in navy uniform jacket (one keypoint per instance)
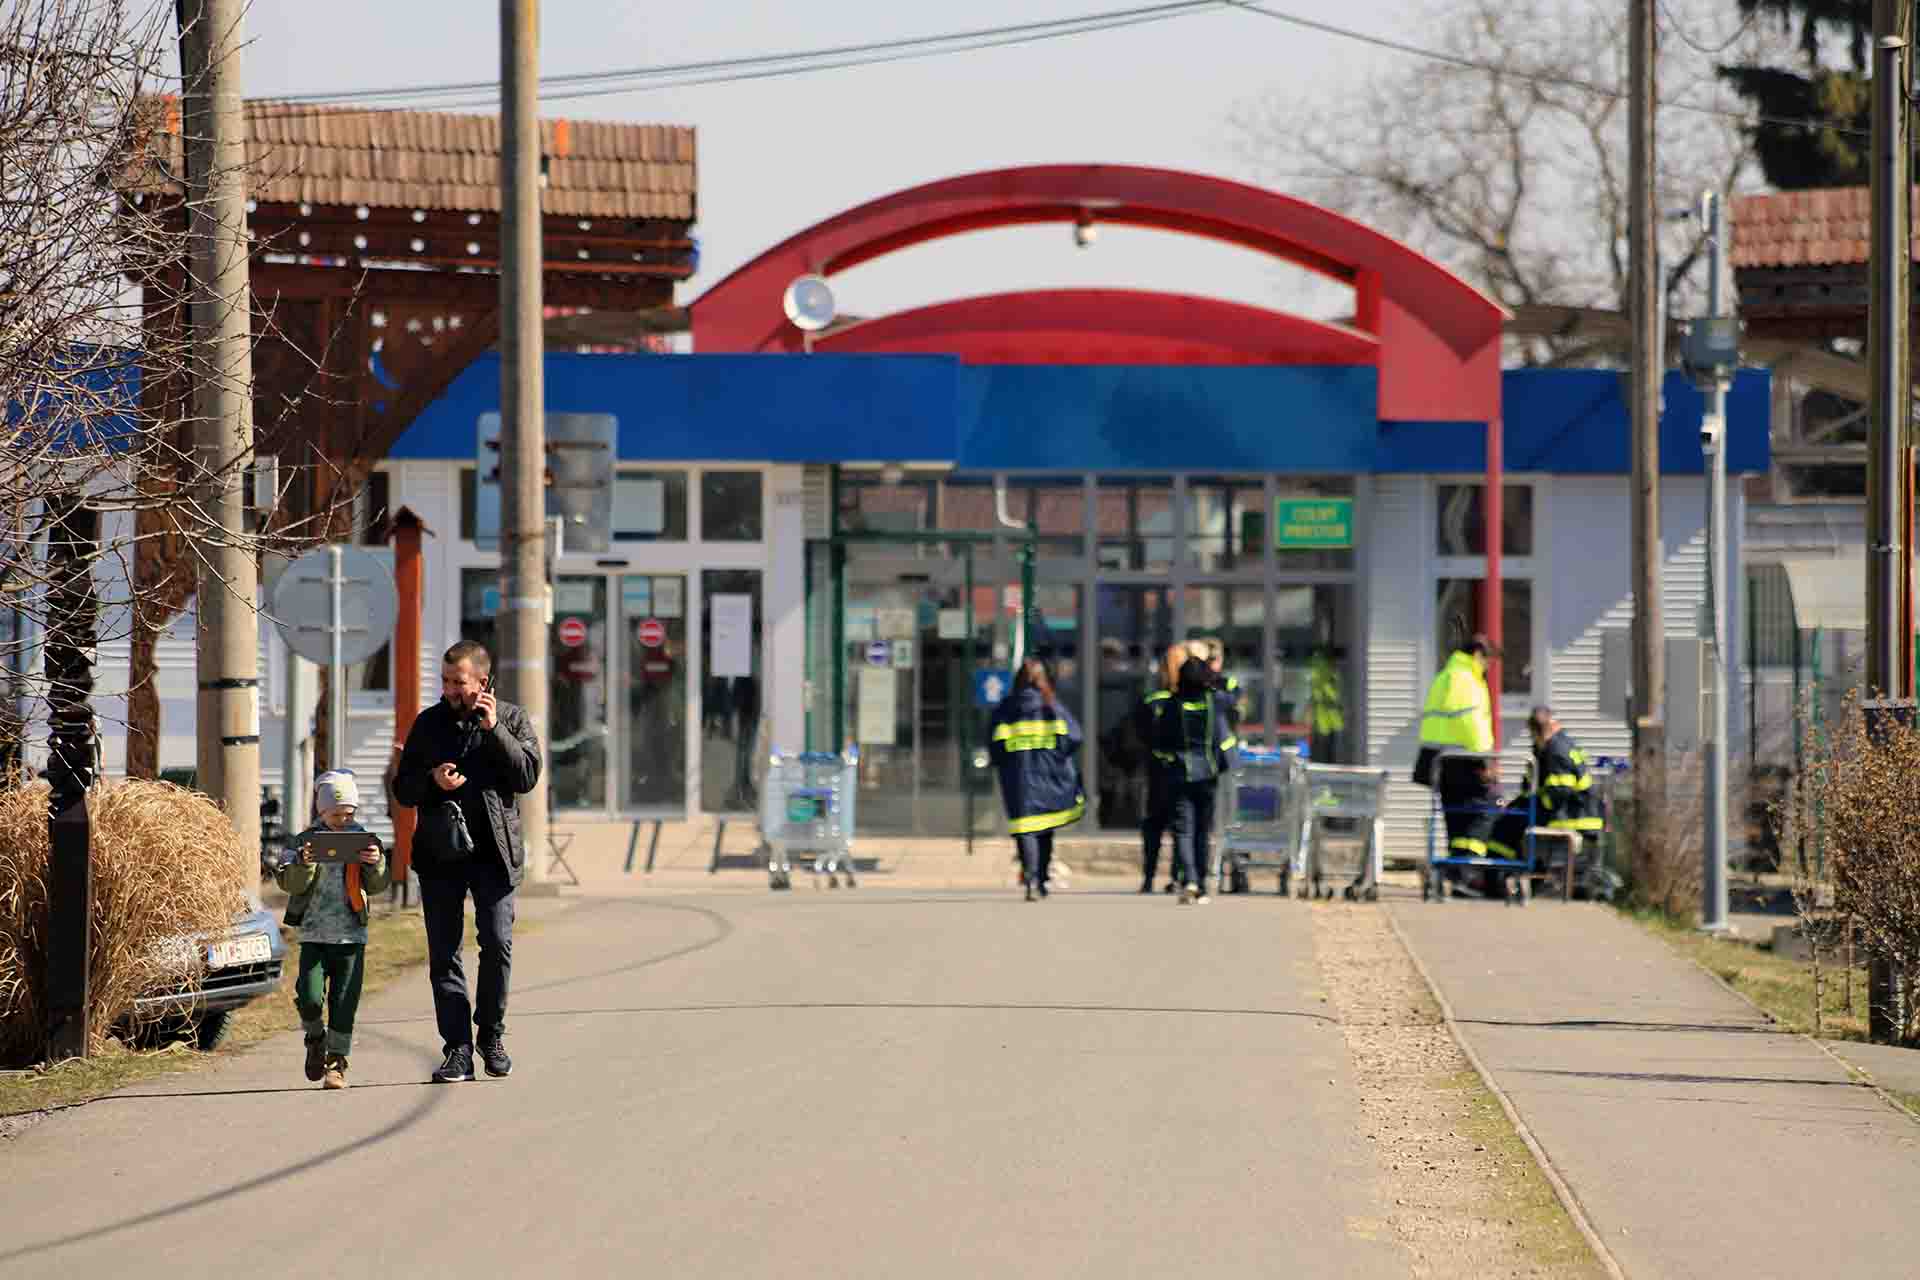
(1035, 746)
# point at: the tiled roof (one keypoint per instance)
(1802, 228)
(333, 155)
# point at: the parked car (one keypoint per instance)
(242, 964)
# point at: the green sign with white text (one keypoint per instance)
(1312, 524)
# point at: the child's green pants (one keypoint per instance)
(329, 982)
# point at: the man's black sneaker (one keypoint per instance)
(316, 1059)
(457, 1067)
(494, 1055)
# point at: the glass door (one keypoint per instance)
(577, 708)
(653, 626)
(1135, 626)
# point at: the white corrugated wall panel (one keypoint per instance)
(1591, 527)
(1394, 580)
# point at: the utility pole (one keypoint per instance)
(523, 590)
(228, 720)
(1889, 462)
(1649, 635)
(1713, 348)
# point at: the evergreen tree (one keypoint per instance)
(1831, 148)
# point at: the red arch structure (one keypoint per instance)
(1106, 326)
(1434, 339)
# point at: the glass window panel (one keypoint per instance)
(467, 504)
(730, 700)
(730, 506)
(868, 504)
(1225, 523)
(650, 506)
(1461, 520)
(1133, 520)
(966, 503)
(1135, 626)
(1059, 510)
(656, 676)
(1457, 616)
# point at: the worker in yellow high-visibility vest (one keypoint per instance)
(1458, 717)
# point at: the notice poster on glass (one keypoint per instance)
(732, 634)
(879, 707)
(666, 597)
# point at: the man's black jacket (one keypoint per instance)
(500, 765)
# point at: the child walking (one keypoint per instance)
(329, 906)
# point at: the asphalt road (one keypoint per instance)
(863, 1083)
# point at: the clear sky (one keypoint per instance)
(778, 155)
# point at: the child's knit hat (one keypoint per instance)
(335, 788)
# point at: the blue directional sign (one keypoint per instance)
(877, 653)
(990, 686)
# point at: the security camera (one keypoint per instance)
(1709, 433)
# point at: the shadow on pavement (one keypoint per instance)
(1674, 1077)
(930, 1007)
(1604, 1024)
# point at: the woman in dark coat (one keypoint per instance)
(1035, 746)
(1193, 747)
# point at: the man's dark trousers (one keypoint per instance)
(443, 900)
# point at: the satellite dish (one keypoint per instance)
(809, 304)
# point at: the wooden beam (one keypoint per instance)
(467, 290)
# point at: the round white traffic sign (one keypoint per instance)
(651, 632)
(303, 605)
(573, 632)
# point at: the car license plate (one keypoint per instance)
(232, 951)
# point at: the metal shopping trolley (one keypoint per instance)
(1578, 860)
(1345, 833)
(807, 805)
(1265, 820)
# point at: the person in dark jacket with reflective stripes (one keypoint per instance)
(1192, 748)
(1035, 746)
(1562, 789)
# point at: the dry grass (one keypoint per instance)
(1781, 985)
(167, 866)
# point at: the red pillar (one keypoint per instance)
(404, 533)
(1490, 608)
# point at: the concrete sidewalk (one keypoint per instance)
(1699, 1139)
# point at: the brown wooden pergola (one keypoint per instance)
(375, 281)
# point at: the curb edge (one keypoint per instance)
(1562, 1191)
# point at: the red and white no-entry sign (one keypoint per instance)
(573, 632)
(651, 632)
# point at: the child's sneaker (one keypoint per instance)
(336, 1074)
(316, 1058)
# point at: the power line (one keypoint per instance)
(762, 66)
(583, 85)
(1556, 81)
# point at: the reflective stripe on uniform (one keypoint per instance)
(1047, 821)
(1577, 824)
(1228, 744)
(1570, 781)
(1501, 850)
(1467, 844)
(1030, 735)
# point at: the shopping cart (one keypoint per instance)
(1578, 860)
(1474, 823)
(1345, 832)
(1264, 823)
(807, 805)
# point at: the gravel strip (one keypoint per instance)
(1462, 1201)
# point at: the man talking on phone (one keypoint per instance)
(468, 759)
